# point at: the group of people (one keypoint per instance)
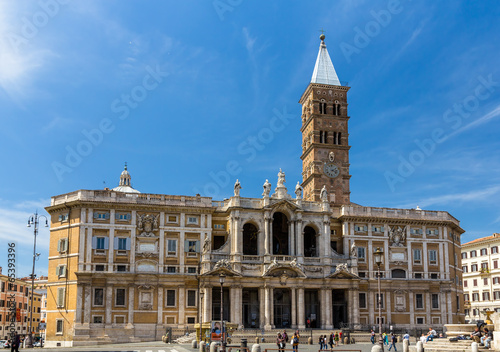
(389, 340)
(282, 339)
(479, 337)
(334, 339)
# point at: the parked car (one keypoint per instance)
(4, 344)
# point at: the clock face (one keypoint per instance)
(331, 170)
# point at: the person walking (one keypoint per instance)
(336, 338)
(372, 337)
(295, 340)
(394, 339)
(15, 343)
(320, 341)
(385, 338)
(331, 340)
(279, 342)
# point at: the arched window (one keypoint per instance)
(280, 234)
(250, 234)
(398, 274)
(310, 249)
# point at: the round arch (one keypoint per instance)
(250, 239)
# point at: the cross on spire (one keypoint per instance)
(322, 31)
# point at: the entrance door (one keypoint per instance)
(282, 308)
(339, 308)
(251, 307)
(312, 308)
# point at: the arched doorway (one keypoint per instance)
(250, 234)
(280, 234)
(310, 249)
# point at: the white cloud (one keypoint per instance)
(248, 40)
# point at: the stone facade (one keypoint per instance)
(481, 276)
(124, 265)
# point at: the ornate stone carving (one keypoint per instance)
(145, 306)
(144, 287)
(313, 269)
(223, 263)
(397, 236)
(324, 194)
(250, 267)
(281, 179)
(298, 191)
(341, 267)
(206, 245)
(146, 224)
(354, 251)
(147, 254)
(267, 189)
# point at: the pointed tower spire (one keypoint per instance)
(324, 72)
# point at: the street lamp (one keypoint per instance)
(202, 293)
(222, 278)
(378, 255)
(33, 220)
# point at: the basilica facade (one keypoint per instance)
(124, 265)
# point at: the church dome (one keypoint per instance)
(125, 183)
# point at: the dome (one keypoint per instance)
(125, 183)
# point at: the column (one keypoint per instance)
(239, 306)
(425, 260)
(442, 264)
(267, 308)
(271, 306)
(322, 308)
(350, 307)
(132, 242)
(412, 308)
(442, 305)
(369, 258)
(181, 251)
(428, 308)
(81, 252)
(233, 303)
(386, 258)
(111, 251)
(79, 304)
(131, 304)
(292, 237)
(450, 312)
(262, 307)
(181, 303)
(159, 319)
(355, 305)
(294, 308)
(238, 234)
(326, 236)
(388, 305)
(300, 239)
(447, 262)
(328, 294)
(410, 259)
(302, 319)
(373, 307)
(207, 304)
(109, 303)
(88, 302)
(161, 250)
(266, 234)
(345, 232)
(88, 254)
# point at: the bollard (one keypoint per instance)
(256, 339)
(376, 348)
(202, 346)
(310, 340)
(194, 344)
(474, 346)
(346, 340)
(406, 345)
(353, 341)
(420, 346)
(255, 347)
(213, 347)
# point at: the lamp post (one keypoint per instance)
(222, 278)
(378, 255)
(202, 293)
(33, 220)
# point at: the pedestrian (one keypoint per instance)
(340, 336)
(372, 337)
(386, 339)
(336, 338)
(486, 339)
(285, 336)
(308, 323)
(320, 341)
(279, 342)
(15, 343)
(394, 339)
(331, 340)
(407, 337)
(295, 341)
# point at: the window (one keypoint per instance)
(434, 276)
(122, 216)
(171, 269)
(361, 254)
(382, 320)
(63, 217)
(99, 267)
(100, 243)
(336, 109)
(496, 295)
(219, 226)
(417, 255)
(420, 321)
(192, 220)
(98, 296)
(432, 232)
(465, 268)
(2, 303)
(172, 218)
(473, 254)
(464, 255)
(473, 268)
(418, 275)
(170, 298)
(474, 282)
(466, 297)
(62, 245)
(398, 274)
(465, 283)
(381, 300)
(59, 326)
(415, 231)
(121, 268)
(475, 297)
(60, 297)
(419, 301)
(475, 311)
(61, 271)
(496, 280)
(377, 228)
(484, 251)
(172, 247)
(122, 243)
(120, 297)
(191, 298)
(97, 319)
(495, 264)
(191, 270)
(485, 281)
(192, 246)
(486, 296)
(432, 256)
(360, 228)
(101, 216)
(494, 250)
(322, 108)
(435, 301)
(362, 300)
(191, 320)
(361, 274)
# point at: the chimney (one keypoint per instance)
(0, 270)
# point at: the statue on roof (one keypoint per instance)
(281, 178)
(324, 194)
(267, 188)
(237, 187)
(298, 191)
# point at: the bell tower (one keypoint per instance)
(325, 136)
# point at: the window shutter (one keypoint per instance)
(63, 271)
(60, 217)
(96, 215)
(66, 244)
(115, 243)
(117, 216)
(59, 245)
(197, 246)
(57, 271)
(94, 242)
(128, 216)
(106, 216)
(127, 244)
(186, 245)
(60, 297)
(106, 242)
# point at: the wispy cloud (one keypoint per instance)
(248, 40)
(482, 120)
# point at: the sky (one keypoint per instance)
(186, 91)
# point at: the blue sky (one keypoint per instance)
(184, 91)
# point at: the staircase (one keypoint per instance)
(186, 339)
(444, 345)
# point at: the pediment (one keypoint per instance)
(223, 266)
(280, 204)
(342, 272)
(291, 269)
